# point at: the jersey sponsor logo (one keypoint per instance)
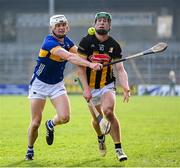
(101, 58)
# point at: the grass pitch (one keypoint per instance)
(150, 133)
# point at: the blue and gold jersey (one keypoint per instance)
(50, 68)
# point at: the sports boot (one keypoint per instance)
(102, 146)
(121, 156)
(49, 134)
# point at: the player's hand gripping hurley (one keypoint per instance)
(103, 123)
(160, 47)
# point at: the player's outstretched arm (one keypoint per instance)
(123, 80)
(75, 59)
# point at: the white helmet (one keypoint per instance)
(57, 19)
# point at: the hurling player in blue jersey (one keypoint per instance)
(47, 80)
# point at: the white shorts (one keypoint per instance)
(97, 93)
(41, 90)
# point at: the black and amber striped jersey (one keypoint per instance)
(94, 50)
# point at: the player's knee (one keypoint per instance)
(35, 124)
(63, 119)
(108, 112)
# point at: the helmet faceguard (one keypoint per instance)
(103, 15)
(56, 19)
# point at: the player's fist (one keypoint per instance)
(95, 66)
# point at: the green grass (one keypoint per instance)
(150, 133)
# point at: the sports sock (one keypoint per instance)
(117, 145)
(30, 149)
(100, 137)
(99, 118)
(51, 124)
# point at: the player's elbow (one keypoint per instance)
(71, 57)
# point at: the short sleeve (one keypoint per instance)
(83, 48)
(50, 45)
(117, 51)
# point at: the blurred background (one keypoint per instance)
(137, 25)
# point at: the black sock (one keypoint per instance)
(30, 148)
(117, 145)
(101, 137)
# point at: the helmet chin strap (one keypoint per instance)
(58, 36)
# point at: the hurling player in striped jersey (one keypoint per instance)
(99, 86)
